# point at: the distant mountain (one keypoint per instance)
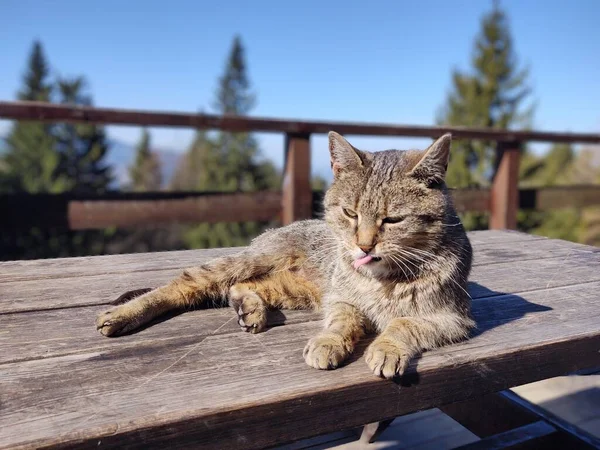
(121, 156)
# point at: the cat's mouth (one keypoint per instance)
(365, 260)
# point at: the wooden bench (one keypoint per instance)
(195, 380)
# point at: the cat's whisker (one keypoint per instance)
(404, 266)
(451, 278)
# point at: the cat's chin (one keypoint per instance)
(377, 268)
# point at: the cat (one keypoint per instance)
(391, 256)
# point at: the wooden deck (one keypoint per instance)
(196, 381)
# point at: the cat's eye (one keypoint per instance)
(396, 219)
(350, 213)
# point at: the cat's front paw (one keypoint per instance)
(387, 358)
(325, 351)
(116, 321)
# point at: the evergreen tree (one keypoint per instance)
(30, 160)
(42, 158)
(191, 173)
(145, 174)
(231, 161)
(82, 147)
(492, 94)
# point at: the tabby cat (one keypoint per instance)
(391, 256)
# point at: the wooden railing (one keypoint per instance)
(295, 201)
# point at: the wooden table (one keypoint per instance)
(196, 380)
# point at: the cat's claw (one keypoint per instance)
(387, 358)
(250, 309)
(325, 351)
(113, 322)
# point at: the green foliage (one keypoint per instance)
(492, 94)
(144, 173)
(561, 165)
(82, 147)
(228, 162)
(36, 86)
(318, 183)
(31, 162)
(548, 170)
(191, 173)
(42, 158)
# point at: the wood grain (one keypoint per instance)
(236, 384)
(41, 269)
(485, 246)
(36, 334)
(194, 380)
(515, 275)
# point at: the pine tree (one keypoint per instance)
(231, 161)
(43, 158)
(191, 173)
(492, 94)
(145, 174)
(82, 147)
(30, 161)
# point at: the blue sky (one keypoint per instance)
(357, 61)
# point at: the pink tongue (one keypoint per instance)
(364, 260)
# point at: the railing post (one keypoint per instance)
(504, 201)
(297, 193)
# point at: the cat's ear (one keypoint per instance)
(431, 169)
(344, 157)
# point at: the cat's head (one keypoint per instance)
(389, 209)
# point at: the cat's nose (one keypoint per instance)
(366, 247)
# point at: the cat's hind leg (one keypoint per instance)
(210, 281)
(288, 289)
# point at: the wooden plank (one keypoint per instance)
(493, 237)
(125, 210)
(81, 114)
(489, 415)
(27, 336)
(512, 438)
(540, 199)
(42, 269)
(498, 248)
(430, 429)
(514, 275)
(60, 332)
(297, 193)
(553, 419)
(559, 197)
(504, 199)
(528, 250)
(574, 399)
(222, 391)
(471, 199)
(22, 338)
